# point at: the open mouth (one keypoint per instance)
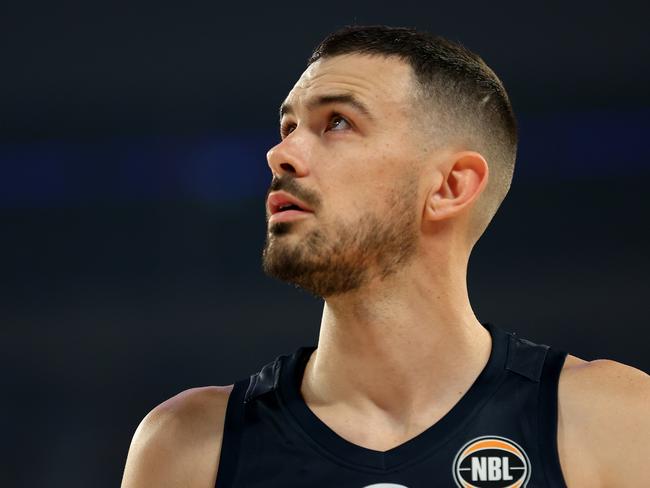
(283, 207)
(289, 206)
(281, 202)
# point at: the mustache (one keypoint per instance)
(290, 185)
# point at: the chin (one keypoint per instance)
(280, 228)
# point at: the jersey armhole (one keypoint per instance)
(548, 418)
(232, 433)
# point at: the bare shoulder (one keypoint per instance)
(604, 423)
(178, 443)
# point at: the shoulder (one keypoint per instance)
(178, 443)
(603, 423)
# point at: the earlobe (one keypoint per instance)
(459, 187)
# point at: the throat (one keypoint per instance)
(377, 431)
(406, 389)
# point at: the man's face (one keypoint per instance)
(350, 154)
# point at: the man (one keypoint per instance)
(397, 149)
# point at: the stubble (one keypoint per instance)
(341, 257)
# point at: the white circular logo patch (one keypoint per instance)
(491, 461)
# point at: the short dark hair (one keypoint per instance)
(468, 101)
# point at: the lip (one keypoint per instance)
(288, 215)
(277, 199)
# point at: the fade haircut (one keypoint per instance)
(463, 100)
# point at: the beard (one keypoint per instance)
(342, 257)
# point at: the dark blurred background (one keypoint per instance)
(132, 184)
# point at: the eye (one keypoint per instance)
(286, 129)
(338, 122)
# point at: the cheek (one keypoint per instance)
(364, 180)
(357, 197)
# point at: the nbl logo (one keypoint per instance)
(491, 461)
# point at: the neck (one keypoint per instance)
(393, 346)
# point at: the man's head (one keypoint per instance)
(387, 137)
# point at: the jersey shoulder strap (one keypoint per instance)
(542, 365)
(232, 432)
(548, 416)
(244, 391)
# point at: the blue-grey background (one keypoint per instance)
(132, 182)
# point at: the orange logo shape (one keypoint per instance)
(491, 462)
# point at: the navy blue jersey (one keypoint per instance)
(502, 433)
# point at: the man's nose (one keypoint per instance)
(287, 158)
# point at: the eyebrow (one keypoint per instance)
(342, 98)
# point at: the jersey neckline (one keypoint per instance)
(413, 450)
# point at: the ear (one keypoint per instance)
(458, 187)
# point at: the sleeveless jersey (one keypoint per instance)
(501, 434)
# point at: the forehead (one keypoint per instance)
(380, 82)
